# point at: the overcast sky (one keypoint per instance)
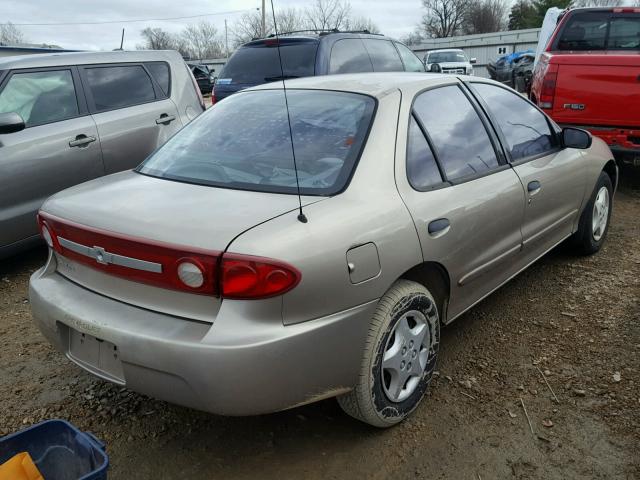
(393, 18)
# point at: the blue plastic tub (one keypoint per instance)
(59, 450)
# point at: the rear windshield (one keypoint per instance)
(600, 31)
(444, 57)
(256, 65)
(244, 143)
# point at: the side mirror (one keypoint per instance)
(473, 60)
(11, 123)
(576, 138)
(435, 68)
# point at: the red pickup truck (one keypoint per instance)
(589, 76)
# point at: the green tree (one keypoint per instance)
(523, 15)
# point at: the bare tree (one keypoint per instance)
(444, 18)
(157, 39)
(359, 24)
(413, 38)
(288, 20)
(597, 3)
(328, 14)
(10, 34)
(202, 41)
(485, 16)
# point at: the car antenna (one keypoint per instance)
(301, 216)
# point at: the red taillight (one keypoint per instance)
(548, 90)
(213, 96)
(247, 277)
(205, 272)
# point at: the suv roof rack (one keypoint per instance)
(320, 32)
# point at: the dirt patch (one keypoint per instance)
(575, 319)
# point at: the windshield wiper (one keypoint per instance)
(280, 77)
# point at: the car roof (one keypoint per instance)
(374, 84)
(446, 50)
(82, 58)
(296, 37)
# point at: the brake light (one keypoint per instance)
(213, 96)
(626, 10)
(247, 277)
(548, 91)
(205, 272)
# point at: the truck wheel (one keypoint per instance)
(594, 221)
(399, 358)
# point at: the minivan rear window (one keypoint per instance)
(255, 65)
(600, 31)
(244, 142)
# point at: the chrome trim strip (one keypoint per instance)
(103, 257)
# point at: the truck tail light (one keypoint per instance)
(548, 91)
(213, 96)
(192, 270)
(247, 277)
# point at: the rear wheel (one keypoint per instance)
(594, 222)
(399, 359)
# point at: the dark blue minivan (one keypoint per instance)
(257, 62)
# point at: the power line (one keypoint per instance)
(229, 12)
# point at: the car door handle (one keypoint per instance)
(534, 187)
(439, 227)
(81, 141)
(165, 119)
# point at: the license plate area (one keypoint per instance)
(98, 356)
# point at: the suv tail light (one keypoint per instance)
(213, 95)
(192, 270)
(548, 90)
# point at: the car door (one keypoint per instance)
(553, 178)
(133, 114)
(58, 148)
(466, 202)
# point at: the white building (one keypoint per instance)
(484, 46)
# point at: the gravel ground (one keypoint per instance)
(575, 319)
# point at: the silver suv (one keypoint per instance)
(69, 118)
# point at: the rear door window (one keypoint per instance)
(259, 64)
(40, 97)
(411, 62)
(456, 131)
(349, 56)
(119, 86)
(160, 73)
(244, 142)
(384, 56)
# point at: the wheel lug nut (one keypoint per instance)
(409, 366)
(402, 366)
(414, 354)
(411, 344)
(404, 350)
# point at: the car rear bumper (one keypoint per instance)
(235, 366)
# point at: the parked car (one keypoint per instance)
(502, 69)
(204, 78)
(522, 73)
(67, 118)
(451, 60)
(331, 52)
(421, 195)
(589, 76)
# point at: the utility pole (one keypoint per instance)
(122, 39)
(264, 25)
(226, 39)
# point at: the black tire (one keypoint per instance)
(584, 239)
(368, 401)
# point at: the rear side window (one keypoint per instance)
(411, 62)
(458, 135)
(384, 56)
(244, 142)
(600, 31)
(160, 73)
(260, 64)
(119, 86)
(525, 128)
(40, 97)
(349, 56)
(422, 170)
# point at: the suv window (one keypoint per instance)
(349, 56)
(462, 144)
(524, 127)
(40, 97)
(260, 64)
(422, 170)
(411, 62)
(245, 142)
(600, 31)
(119, 86)
(160, 72)
(384, 56)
